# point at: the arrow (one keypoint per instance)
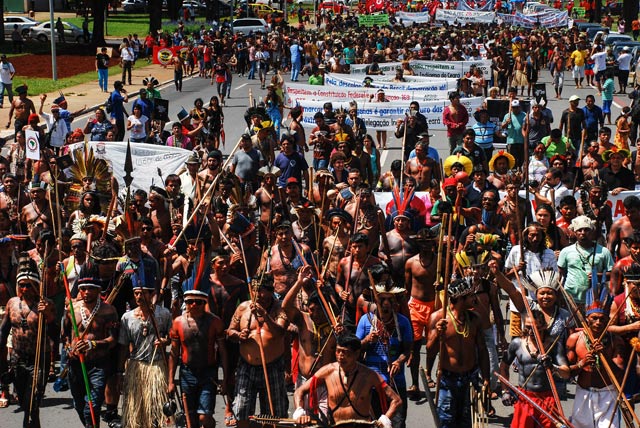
(128, 166)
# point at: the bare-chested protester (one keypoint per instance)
(350, 386)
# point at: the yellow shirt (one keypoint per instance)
(578, 58)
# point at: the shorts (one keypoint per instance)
(578, 72)
(250, 382)
(606, 106)
(420, 312)
(199, 389)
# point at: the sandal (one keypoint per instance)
(230, 421)
(431, 383)
(413, 392)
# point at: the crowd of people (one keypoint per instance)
(262, 275)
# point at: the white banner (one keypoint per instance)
(443, 69)
(548, 19)
(475, 5)
(434, 85)
(32, 139)
(408, 18)
(296, 93)
(464, 17)
(147, 159)
(383, 116)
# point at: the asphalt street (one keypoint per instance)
(57, 410)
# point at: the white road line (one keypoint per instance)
(241, 86)
(383, 158)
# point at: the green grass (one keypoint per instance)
(38, 85)
(123, 24)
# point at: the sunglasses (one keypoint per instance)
(194, 302)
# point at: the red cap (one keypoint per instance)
(292, 180)
(33, 117)
(451, 181)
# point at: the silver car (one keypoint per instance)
(249, 25)
(72, 33)
(24, 23)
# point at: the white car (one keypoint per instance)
(24, 23)
(194, 4)
(249, 25)
(133, 6)
(72, 33)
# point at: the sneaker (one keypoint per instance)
(110, 416)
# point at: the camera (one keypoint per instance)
(534, 184)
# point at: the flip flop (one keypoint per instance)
(230, 421)
(431, 383)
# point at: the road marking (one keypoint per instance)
(241, 86)
(383, 158)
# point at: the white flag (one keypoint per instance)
(33, 144)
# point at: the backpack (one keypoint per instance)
(108, 105)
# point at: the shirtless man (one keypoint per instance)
(267, 197)
(352, 278)
(624, 227)
(317, 340)
(194, 336)
(500, 162)
(465, 353)
(37, 214)
(295, 127)
(96, 346)
(335, 245)
(369, 218)
(532, 378)
(265, 318)
(349, 388)
(401, 246)
(422, 168)
(22, 107)
(420, 281)
(285, 261)
(11, 199)
(595, 395)
(323, 183)
(160, 214)
(207, 175)
(21, 320)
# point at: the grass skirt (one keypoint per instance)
(145, 392)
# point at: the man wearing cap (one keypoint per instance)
(578, 262)
(194, 337)
(100, 321)
(291, 162)
(573, 123)
(262, 316)
(624, 64)
(21, 108)
(21, 321)
(321, 138)
(142, 363)
(455, 117)
(485, 131)
(189, 180)
(246, 163)
(595, 399)
(57, 126)
(465, 352)
(118, 97)
(513, 124)
(7, 71)
(387, 337)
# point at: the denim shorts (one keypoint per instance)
(200, 390)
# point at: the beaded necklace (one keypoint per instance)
(465, 331)
(85, 319)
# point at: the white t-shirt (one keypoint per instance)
(127, 54)
(600, 60)
(624, 62)
(6, 71)
(138, 129)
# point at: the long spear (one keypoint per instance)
(83, 366)
(445, 301)
(41, 335)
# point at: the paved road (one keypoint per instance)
(57, 409)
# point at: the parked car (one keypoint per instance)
(335, 7)
(72, 32)
(583, 26)
(134, 6)
(194, 5)
(617, 38)
(248, 25)
(592, 31)
(24, 23)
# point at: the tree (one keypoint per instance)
(630, 12)
(98, 8)
(155, 15)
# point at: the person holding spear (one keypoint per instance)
(465, 353)
(21, 318)
(259, 325)
(94, 348)
(142, 363)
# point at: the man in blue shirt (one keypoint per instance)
(594, 118)
(146, 105)
(387, 337)
(118, 97)
(291, 162)
(485, 131)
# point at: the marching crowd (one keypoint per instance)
(260, 275)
